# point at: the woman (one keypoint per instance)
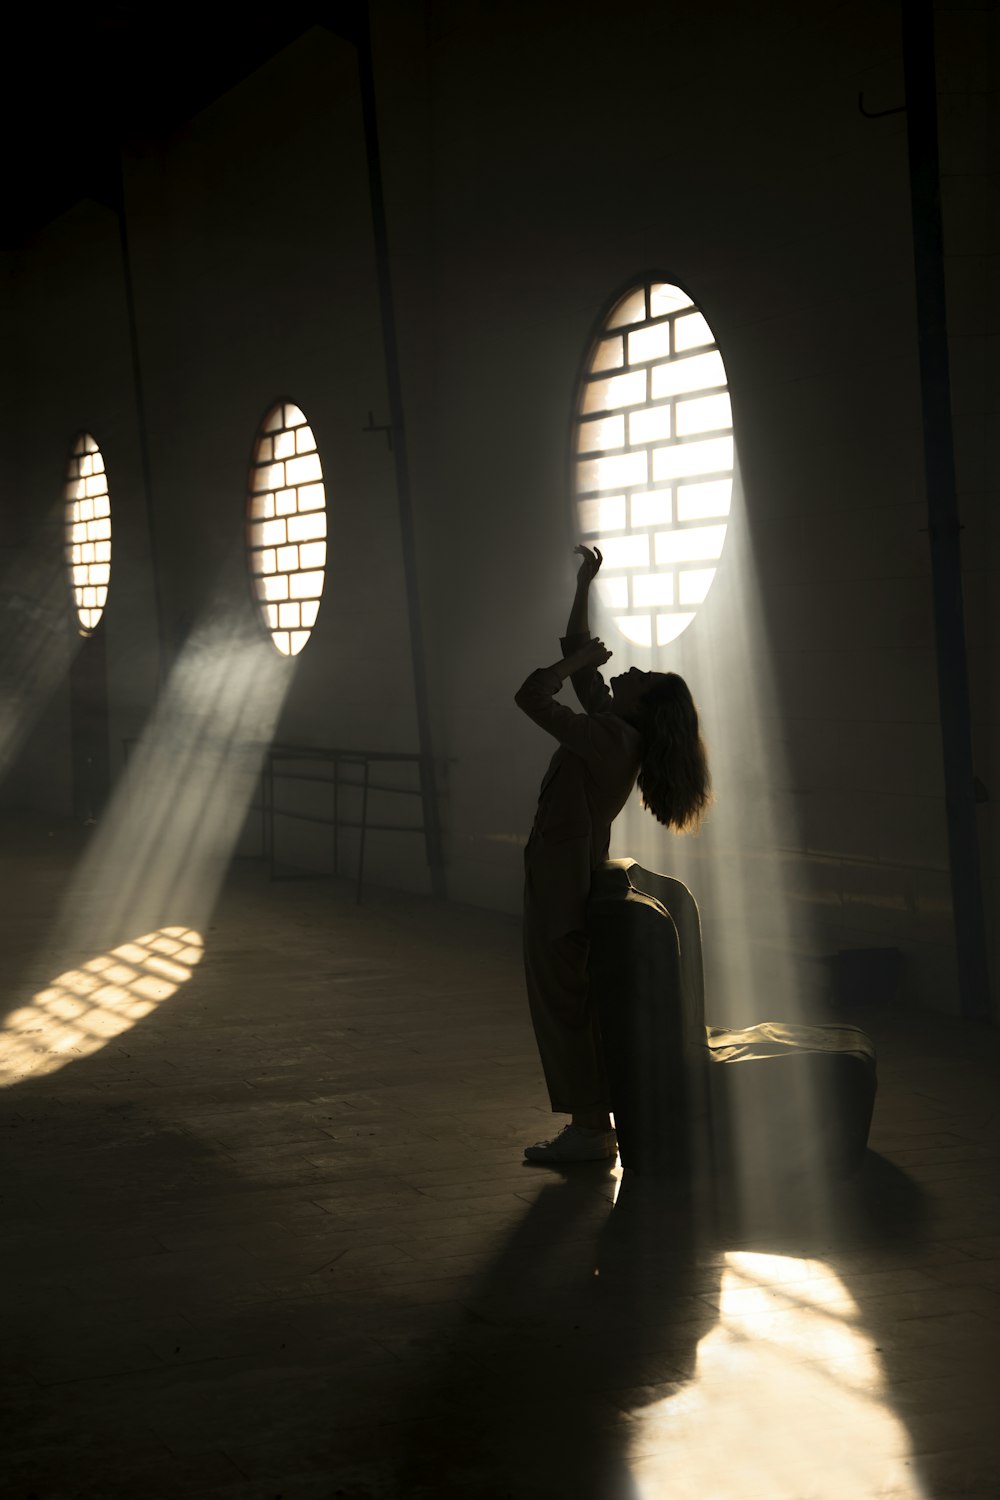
(645, 728)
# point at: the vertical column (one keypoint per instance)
(140, 411)
(943, 523)
(89, 727)
(428, 787)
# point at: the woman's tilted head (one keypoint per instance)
(673, 776)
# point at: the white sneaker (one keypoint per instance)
(574, 1143)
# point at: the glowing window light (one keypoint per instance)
(85, 1008)
(286, 527)
(653, 460)
(88, 531)
(790, 1387)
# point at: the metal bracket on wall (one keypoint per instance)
(385, 427)
(877, 114)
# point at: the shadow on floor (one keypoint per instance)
(587, 1317)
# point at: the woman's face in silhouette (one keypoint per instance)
(628, 689)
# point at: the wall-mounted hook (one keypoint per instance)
(385, 427)
(877, 114)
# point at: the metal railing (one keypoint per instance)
(272, 775)
(335, 759)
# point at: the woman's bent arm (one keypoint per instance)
(536, 695)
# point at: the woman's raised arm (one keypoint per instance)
(588, 684)
(579, 615)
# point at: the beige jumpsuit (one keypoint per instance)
(587, 784)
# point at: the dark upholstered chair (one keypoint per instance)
(686, 1095)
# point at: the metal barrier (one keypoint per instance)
(335, 759)
(271, 773)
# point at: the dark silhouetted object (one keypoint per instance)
(944, 527)
(685, 1094)
(88, 705)
(864, 977)
(647, 982)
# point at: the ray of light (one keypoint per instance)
(156, 860)
(38, 638)
(163, 845)
(760, 938)
(788, 1399)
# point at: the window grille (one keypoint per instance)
(88, 531)
(286, 527)
(653, 456)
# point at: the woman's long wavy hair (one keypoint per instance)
(674, 780)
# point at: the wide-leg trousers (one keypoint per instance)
(565, 1022)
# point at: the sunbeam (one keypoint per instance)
(788, 1399)
(163, 846)
(39, 636)
(760, 943)
(155, 862)
(757, 945)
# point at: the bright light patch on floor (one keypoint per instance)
(286, 527)
(85, 1008)
(646, 468)
(788, 1400)
(88, 531)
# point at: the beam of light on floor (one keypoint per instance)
(38, 636)
(156, 860)
(84, 1008)
(162, 848)
(788, 1400)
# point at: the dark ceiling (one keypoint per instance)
(82, 82)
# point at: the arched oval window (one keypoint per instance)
(88, 531)
(653, 460)
(286, 526)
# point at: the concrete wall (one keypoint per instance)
(536, 157)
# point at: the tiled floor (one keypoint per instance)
(276, 1240)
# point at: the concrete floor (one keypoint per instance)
(275, 1240)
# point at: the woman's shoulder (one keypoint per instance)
(615, 724)
(616, 733)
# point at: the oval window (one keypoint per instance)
(286, 526)
(88, 531)
(653, 451)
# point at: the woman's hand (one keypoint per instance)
(589, 657)
(590, 565)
